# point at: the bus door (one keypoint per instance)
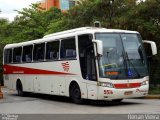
(87, 64)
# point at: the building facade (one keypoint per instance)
(61, 4)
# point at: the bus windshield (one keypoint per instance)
(123, 56)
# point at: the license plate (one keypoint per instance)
(128, 93)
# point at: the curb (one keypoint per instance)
(152, 97)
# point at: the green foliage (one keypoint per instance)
(30, 24)
(57, 26)
(154, 90)
(34, 22)
(3, 33)
(3, 29)
(1, 60)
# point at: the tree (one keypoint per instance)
(34, 22)
(120, 14)
(31, 24)
(3, 32)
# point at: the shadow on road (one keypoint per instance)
(86, 102)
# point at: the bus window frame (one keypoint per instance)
(32, 53)
(41, 60)
(20, 56)
(74, 58)
(48, 60)
(45, 49)
(4, 59)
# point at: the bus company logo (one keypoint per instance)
(65, 66)
(138, 90)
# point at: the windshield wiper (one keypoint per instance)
(128, 69)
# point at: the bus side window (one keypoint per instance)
(86, 57)
(17, 54)
(8, 56)
(27, 53)
(52, 50)
(39, 50)
(68, 48)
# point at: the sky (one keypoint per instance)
(7, 7)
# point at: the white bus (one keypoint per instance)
(83, 63)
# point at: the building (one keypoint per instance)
(61, 4)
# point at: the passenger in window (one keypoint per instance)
(18, 59)
(27, 58)
(70, 53)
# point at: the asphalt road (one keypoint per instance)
(46, 104)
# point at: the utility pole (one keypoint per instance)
(111, 12)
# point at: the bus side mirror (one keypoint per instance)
(150, 47)
(99, 46)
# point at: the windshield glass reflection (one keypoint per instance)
(123, 56)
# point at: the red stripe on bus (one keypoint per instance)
(10, 69)
(127, 85)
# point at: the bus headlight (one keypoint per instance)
(145, 83)
(105, 84)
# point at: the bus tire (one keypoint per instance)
(19, 88)
(76, 94)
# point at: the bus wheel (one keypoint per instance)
(76, 94)
(19, 88)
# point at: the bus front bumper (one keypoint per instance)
(105, 93)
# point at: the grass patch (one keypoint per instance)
(155, 90)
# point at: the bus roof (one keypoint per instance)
(68, 33)
(88, 29)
